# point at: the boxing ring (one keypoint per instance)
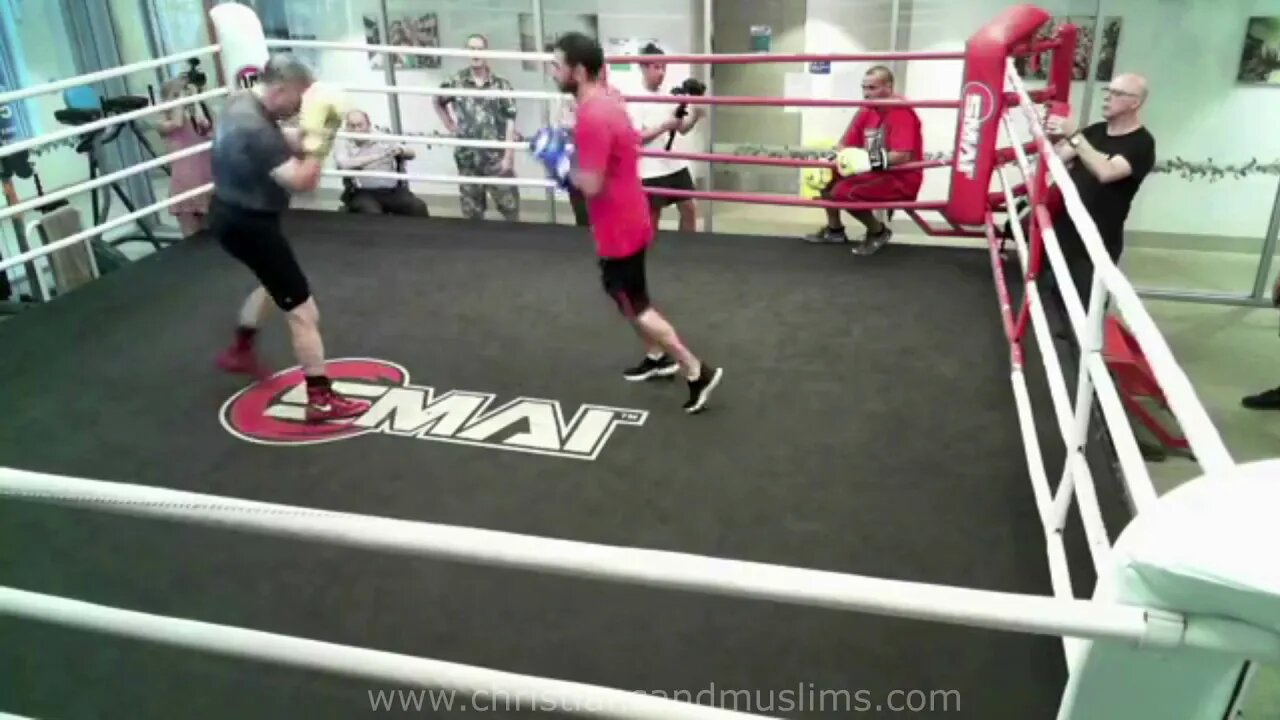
(516, 529)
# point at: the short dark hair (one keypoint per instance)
(286, 68)
(884, 73)
(581, 50)
(651, 49)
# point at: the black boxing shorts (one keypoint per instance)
(678, 180)
(257, 240)
(624, 281)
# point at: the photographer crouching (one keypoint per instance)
(658, 127)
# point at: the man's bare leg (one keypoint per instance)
(878, 233)
(869, 220)
(308, 347)
(702, 378)
(240, 357)
(304, 332)
(834, 230)
(254, 310)
(657, 333)
(688, 216)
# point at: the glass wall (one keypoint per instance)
(34, 41)
(1200, 220)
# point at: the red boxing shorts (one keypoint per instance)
(871, 188)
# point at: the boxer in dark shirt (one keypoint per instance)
(1108, 162)
(256, 168)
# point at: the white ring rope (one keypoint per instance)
(106, 122)
(93, 77)
(436, 140)
(102, 181)
(1205, 440)
(1062, 615)
(451, 179)
(1134, 473)
(104, 227)
(406, 50)
(516, 691)
(453, 92)
(895, 598)
(1085, 491)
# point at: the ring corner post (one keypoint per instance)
(981, 106)
(1063, 67)
(1201, 558)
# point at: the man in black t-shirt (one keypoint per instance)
(1108, 162)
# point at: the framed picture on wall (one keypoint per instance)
(1089, 29)
(554, 25)
(405, 29)
(1260, 59)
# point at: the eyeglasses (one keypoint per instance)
(1112, 92)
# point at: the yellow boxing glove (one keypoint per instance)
(319, 119)
(855, 161)
(816, 180)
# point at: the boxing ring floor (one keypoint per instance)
(866, 424)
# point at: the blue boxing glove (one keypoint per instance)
(554, 149)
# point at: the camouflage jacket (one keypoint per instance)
(480, 118)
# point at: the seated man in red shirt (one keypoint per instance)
(889, 133)
(606, 169)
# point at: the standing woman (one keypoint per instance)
(182, 128)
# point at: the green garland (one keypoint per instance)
(1185, 169)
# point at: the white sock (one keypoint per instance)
(693, 373)
(655, 355)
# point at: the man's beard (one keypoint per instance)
(568, 86)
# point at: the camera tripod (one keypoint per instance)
(91, 145)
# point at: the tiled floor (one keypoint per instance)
(1226, 351)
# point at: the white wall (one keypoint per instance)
(1196, 110)
(44, 59)
(840, 27)
(670, 22)
(941, 25)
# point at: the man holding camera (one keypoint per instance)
(658, 124)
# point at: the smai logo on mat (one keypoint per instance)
(272, 412)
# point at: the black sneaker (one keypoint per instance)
(872, 244)
(700, 389)
(1268, 400)
(663, 367)
(828, 235)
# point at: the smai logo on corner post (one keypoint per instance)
(272, 412)
(248, 76)
(977, 106)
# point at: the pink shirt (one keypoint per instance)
(608, 144)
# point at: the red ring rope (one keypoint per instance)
(777, 162)
(755, 58)
(766, 199)
(786, 102)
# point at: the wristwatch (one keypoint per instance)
(1074, 140)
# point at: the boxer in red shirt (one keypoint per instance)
(893, 133)
(606, 171)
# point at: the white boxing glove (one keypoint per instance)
(856, 161)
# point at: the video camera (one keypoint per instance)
(195, 76)
(690, 87)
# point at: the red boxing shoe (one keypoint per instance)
(324, 404)
(242, 361)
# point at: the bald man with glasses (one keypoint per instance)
(1108, 161)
